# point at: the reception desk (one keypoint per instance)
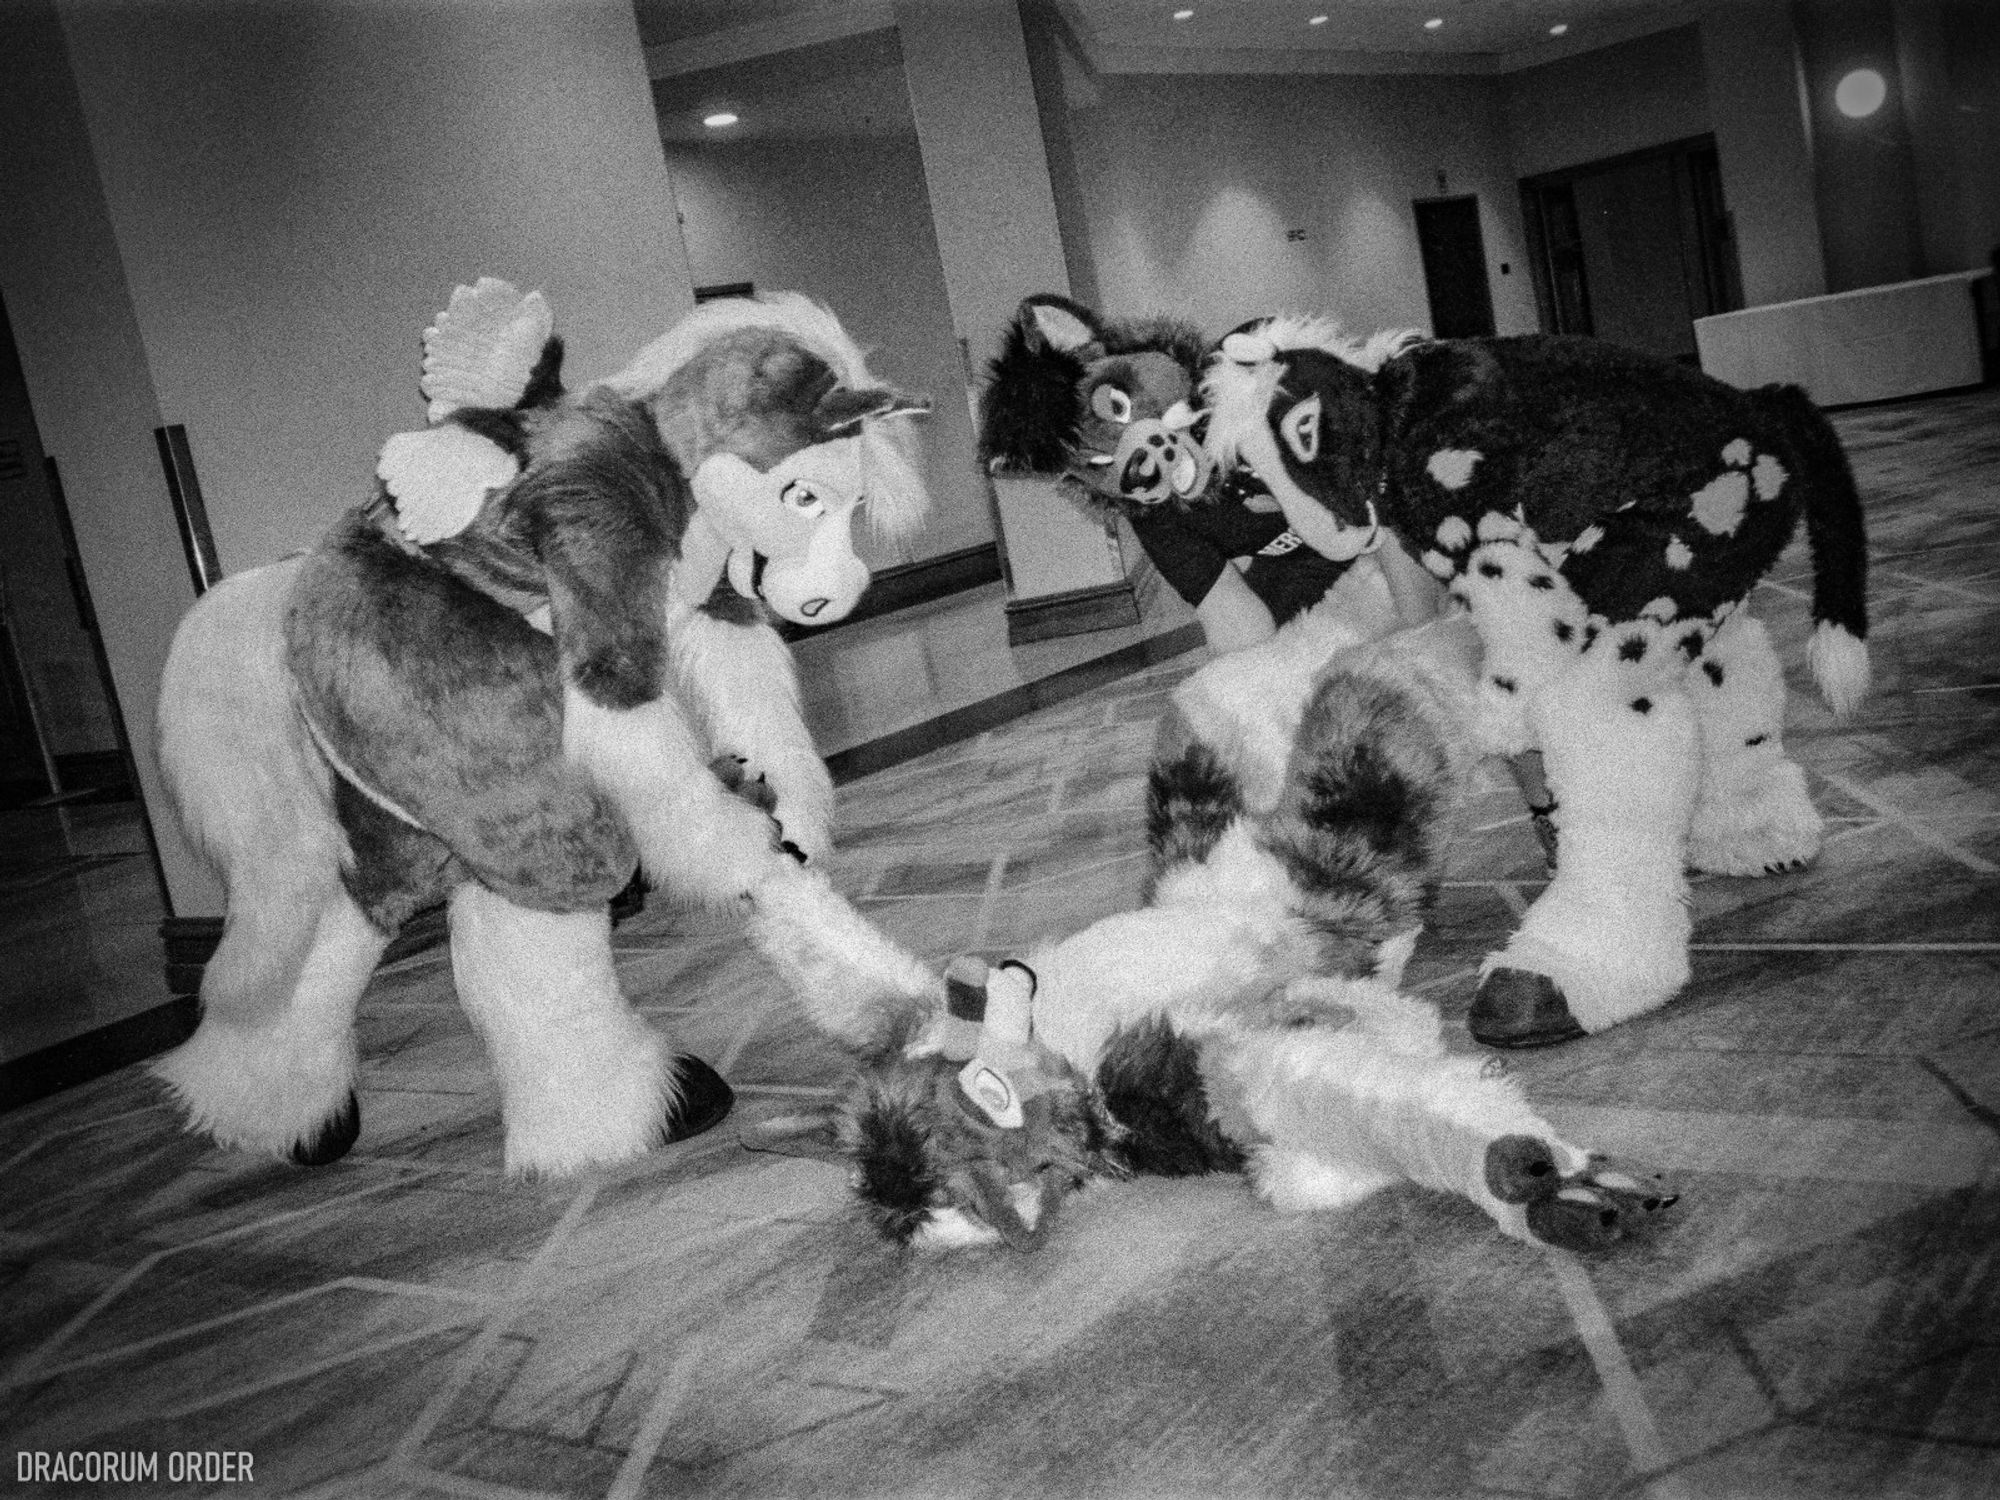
(1871, 344)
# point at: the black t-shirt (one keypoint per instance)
(1192, 545)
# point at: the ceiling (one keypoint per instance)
(801, 68)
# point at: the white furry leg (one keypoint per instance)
(743, 687)
(693, 835)
(1610, 933)
(1343, 1115)
(856, 985)
(583, 1080)
(272, 1070)
(1752, 814)
(271, 1067)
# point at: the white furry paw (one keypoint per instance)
(1763, 824)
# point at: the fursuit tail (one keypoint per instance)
(1838, 652)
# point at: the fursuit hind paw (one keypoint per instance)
(1591, 1209)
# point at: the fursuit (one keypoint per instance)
(1246, 1016)
(1602, 515)
(540, 656)
(1112, 410)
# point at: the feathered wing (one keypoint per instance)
(484, 347)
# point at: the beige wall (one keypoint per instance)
(295, 188)
(847, 221)
(1192, 187)
(241, 216)
(1617, 99)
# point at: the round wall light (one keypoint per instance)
(1433, 23)
(1860, 93)
(722, 119)
(1559, 28)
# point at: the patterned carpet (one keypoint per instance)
(1820, 1319)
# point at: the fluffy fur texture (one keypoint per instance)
(1238, 1016)
(897, 501)
(1602, 514)
(506, 716)
(1039, 412)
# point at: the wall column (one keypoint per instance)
(1762, 136)
(987, 174)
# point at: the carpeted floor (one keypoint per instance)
(1821, 1318)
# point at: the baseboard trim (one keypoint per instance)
(95, 1053)
(909, 584)
(1107, 606)
(974, 719)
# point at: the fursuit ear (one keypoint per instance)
(1030, 408)
(1063, 325)
(842, 410)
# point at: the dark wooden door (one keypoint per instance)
(1454, 255)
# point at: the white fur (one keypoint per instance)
(1752, 810)
(1246, 705)
(741, 684)
(1839, 663)
(267, 1082)
(692, 834)
(1343, 1114)
(584, 1081)
(897, 502)
(842, 968)
(1612, 929)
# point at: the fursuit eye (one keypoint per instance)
(1300, 427)
(801, 497)
(1111, 404)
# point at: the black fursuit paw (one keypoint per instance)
(1520, 1008)
(1588, 1210)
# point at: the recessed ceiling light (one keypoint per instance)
(1433, 23)
(718, 120)
(1559, 28)
(1317, 21)
(1860, 93)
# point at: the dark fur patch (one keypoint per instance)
(886, 1129)
(604, 506)
(1150, 1078)
(1713, 670)
(1030, 406)
(1363, 818)
(1190, 802)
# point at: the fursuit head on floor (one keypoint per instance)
(539, 656)
(1246, 1017)
(1602, 514)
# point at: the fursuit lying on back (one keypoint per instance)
(1246, 1017)
(1603, 514)
(518, 671)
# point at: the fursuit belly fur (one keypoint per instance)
(539, 659)
(1246, 1017)
(1603, 515)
